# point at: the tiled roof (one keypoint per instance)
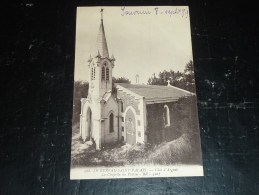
(154, 92)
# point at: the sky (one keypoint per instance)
(143, 40)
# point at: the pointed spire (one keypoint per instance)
(90, 59)
(98, 54)
(101, 40)
(112, 58)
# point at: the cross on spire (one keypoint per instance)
(101, 14)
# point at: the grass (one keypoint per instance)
(178, 151)
(173, 152)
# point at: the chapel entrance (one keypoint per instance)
(89, 124)
(130, 126)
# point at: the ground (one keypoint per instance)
(178, 151)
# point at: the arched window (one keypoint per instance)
(103, 73)
(111, 123)
(121, 106)
(166, 115)
(107, 74)
(92, 73)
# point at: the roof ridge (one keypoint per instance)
(153, 86)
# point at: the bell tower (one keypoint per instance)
(100, 67)
(98, 107)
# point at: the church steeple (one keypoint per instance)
(100, 67)
(102, 47)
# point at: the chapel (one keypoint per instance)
(122, 112)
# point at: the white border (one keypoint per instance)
(140, 171)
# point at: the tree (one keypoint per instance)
(188, 77)
(120, 80)
(184, 80)
(80, 91)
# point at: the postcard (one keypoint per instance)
(135, 106)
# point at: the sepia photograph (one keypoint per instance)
(134, 105)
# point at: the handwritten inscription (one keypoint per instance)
(176, 11)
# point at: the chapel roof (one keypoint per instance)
(153, 93)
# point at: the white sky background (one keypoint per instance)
(142, 44)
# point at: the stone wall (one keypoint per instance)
(157, 131)
(128, 100)
(183, 119)
(108, 137)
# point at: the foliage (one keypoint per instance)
(184, 80)
(120, 80)
(178, 151)
(186, 116)
(80, 91)
(188, 78)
